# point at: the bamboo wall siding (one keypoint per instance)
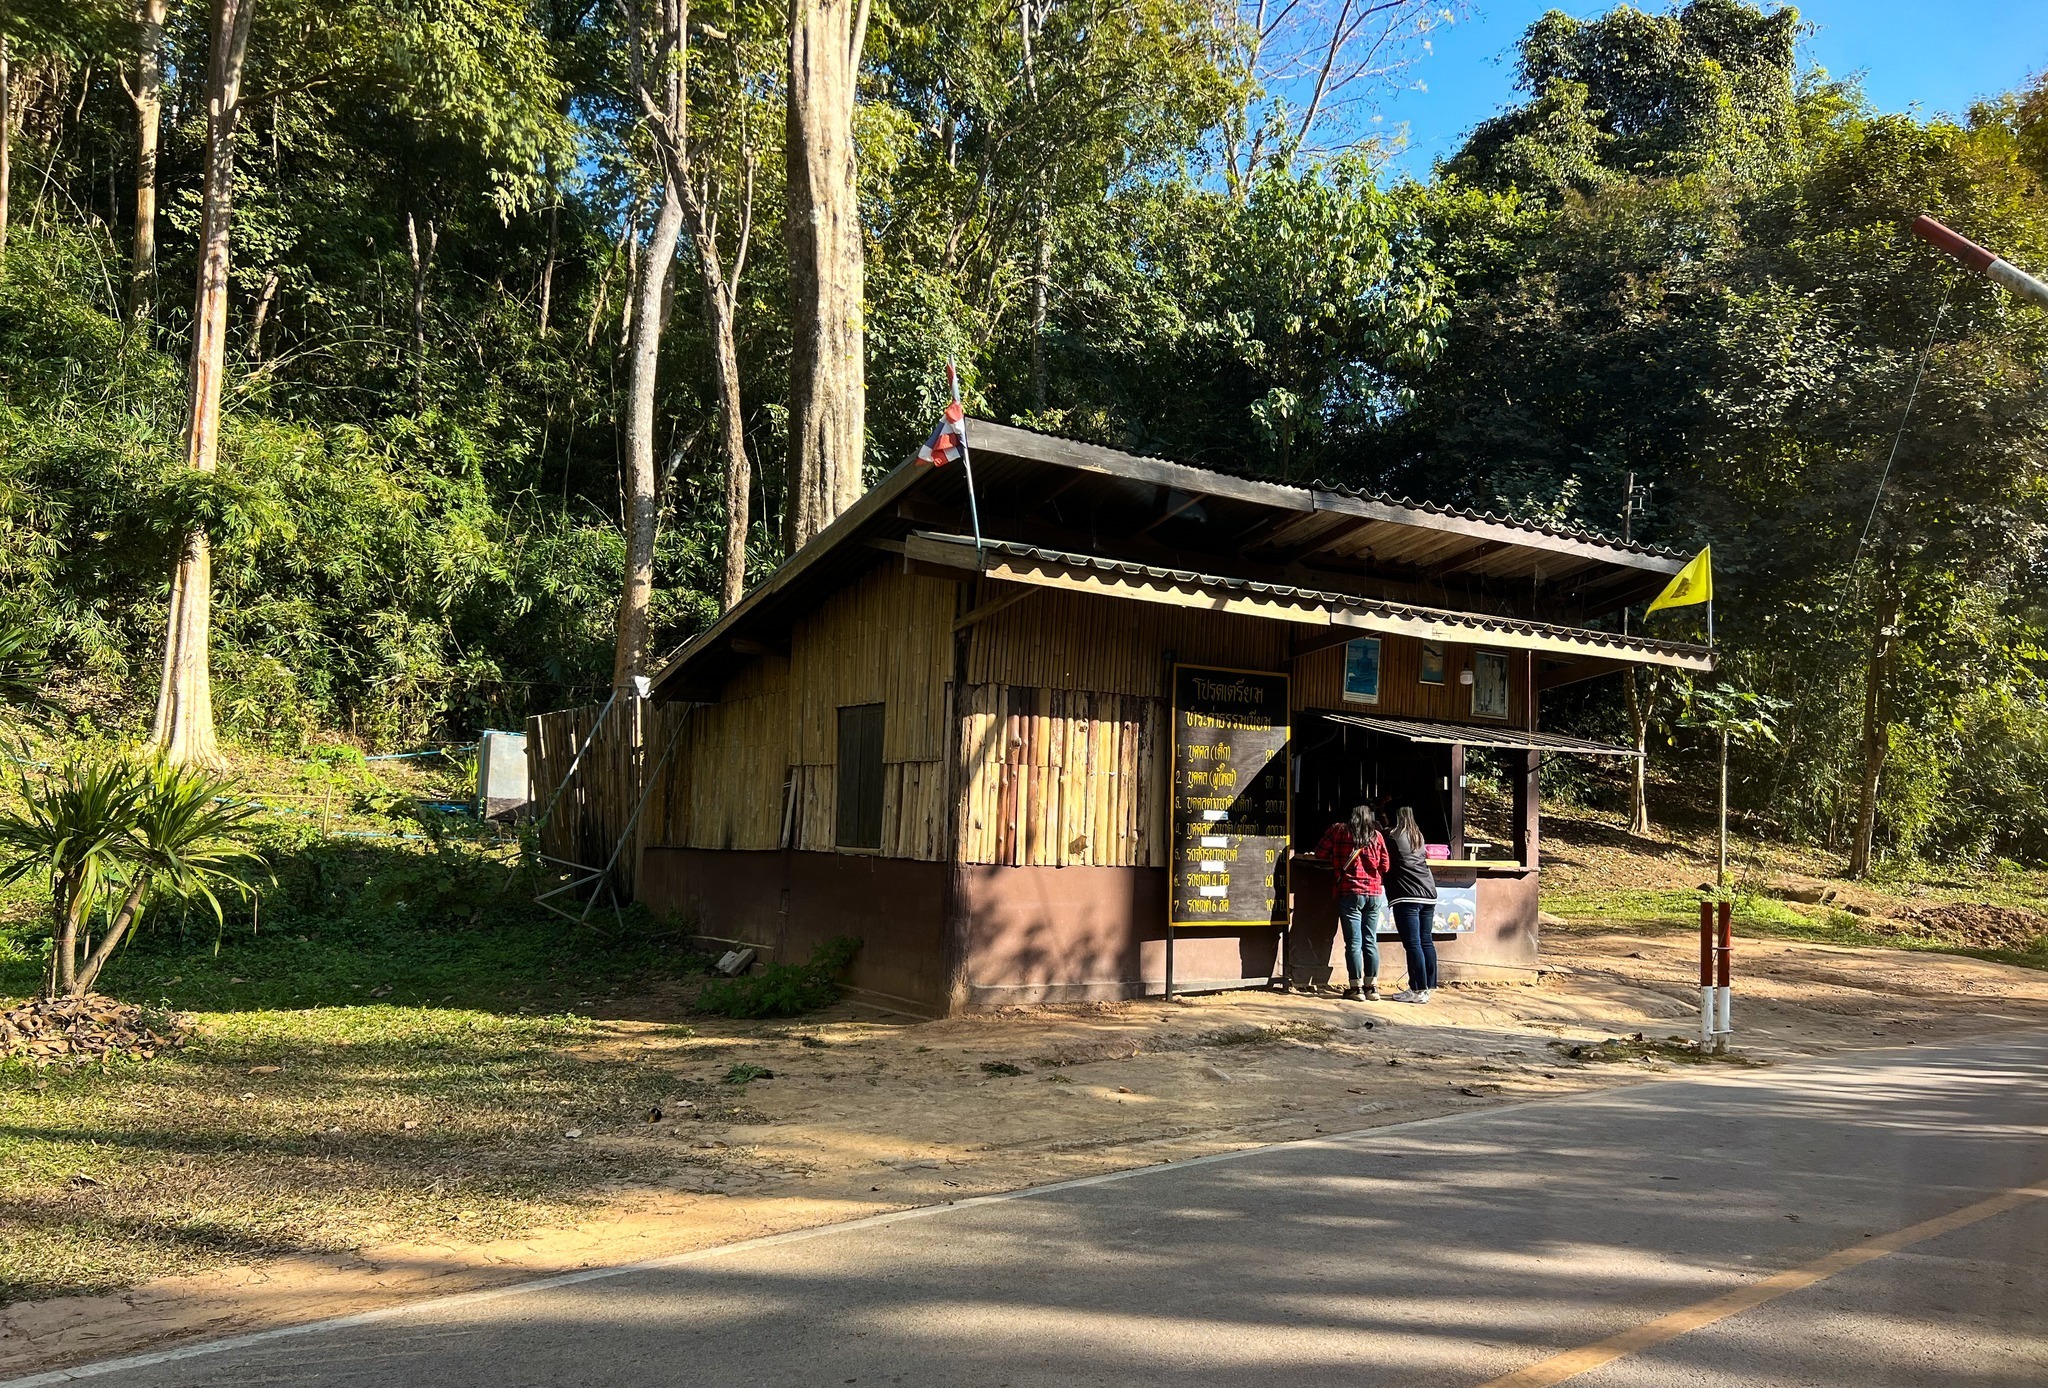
(1073, 641)
(756, 770)
(887, 638)
(1319, 683)
(599, 801)
(1063, 725)
(1060, 778)
(723, 787)
(913, 808)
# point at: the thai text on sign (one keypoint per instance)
(1231, 820)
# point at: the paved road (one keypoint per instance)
(1450, 1252)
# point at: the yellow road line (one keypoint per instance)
(1574, 1362)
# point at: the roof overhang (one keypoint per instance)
(1382, 563)
(1028, 564)
(1470, 735)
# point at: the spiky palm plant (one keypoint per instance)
(74, 828)
(189, 839)
(23, 665)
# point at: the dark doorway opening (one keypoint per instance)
(1337, 766)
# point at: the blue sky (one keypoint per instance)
(1930, 55)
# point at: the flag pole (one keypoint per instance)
(967, 461)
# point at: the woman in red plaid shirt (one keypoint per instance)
(1357, 857)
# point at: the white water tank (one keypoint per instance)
(501, 784)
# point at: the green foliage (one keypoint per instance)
(107, 824)
(72, 830)
(1680, 256)
(782, 990)
(23, 665)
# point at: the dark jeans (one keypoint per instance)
(1415, 920)
(1361, 917)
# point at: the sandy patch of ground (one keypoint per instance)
(865, 1113)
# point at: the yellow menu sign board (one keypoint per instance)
(1231, 807)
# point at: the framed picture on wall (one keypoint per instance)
(1432, 663)
(1362, 670)
(1489, 684)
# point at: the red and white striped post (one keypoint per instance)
(1717, 952)
(1980, 261)
(1709, 1013)
(1727, 959)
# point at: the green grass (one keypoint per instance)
(390, 1043)
(320, 1129)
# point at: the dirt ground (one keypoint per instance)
(862, 1112)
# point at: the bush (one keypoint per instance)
(783, 990)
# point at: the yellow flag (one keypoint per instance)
(1692, 584)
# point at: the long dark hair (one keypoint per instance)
(1362, 824)
(1407, 830)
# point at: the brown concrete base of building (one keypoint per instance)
(1039, 934)
(786, 903)
(1095, 934)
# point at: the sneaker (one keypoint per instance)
(1372, 994)
(1419, 996)
(1354, 994)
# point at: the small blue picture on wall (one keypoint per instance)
(1362, 670)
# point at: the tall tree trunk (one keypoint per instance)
(1876, 742)
(1041, 282)
(260, 318)
(184, 706)
(668, 121)
(1639, 773)
(148, 96)
(827, 371)
(422, 266)
(6, 139)
(642, 513)
(547, 269)
(739, 477)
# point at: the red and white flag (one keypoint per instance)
(949, 441)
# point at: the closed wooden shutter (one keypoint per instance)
(860, 777)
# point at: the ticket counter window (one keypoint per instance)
(1339, 766)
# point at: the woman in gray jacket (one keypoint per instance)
(1411, 892)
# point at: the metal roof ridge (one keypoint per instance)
(1585, 534)
(1387, 606)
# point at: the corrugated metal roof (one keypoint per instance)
(1468, 621)
(1470, 735)
(1582, 533)
(1068, 493)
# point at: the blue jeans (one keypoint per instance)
(1415, 920)
(1361, 918)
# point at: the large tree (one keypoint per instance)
(704, 127)
(147, 94)
(660, 89)
(184, 708)
(827, 268)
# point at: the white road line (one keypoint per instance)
(571, 1279)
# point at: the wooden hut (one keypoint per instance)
(1004, 765)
